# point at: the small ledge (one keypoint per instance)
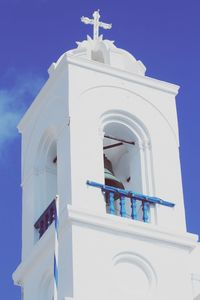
(136, 229)
(114, 224)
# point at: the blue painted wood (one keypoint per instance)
(111, 203)
(133, 208)
(145, 208)
(130, 194)
(122, 206)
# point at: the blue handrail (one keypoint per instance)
(146, 200)
(130, 194)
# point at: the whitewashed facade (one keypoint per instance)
(95, 90)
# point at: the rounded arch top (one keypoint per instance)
(134, 125)
(130, 163)
(47, 149)
(132, 265)
(135, 105)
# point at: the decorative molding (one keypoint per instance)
(141, 146)
(142, 142)
(146, 145)
(121, 226)
(131, 92)
(101, 133)
(143, 80)
(136, 261)
(114, 224)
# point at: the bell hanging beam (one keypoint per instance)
(120, 140)
(112, 146)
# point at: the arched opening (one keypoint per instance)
(122, 163)
(46, 178)
(51, 172)
(126, 147)
(121, 149)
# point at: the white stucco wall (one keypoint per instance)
(103, 256)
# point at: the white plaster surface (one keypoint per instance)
(93, 89)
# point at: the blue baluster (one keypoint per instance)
(122, 206)
(111, 203)
(133, 209)
(145, 208)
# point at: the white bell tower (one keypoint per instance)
(113, 243)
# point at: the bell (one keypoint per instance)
(110, 178)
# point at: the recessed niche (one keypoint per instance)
(134, 278)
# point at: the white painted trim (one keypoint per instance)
(143, 80)
(120, 226)
(115, 224)
(95, 66)
(143, 142)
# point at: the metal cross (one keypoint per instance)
(96, 24)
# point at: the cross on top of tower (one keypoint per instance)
(96, 24)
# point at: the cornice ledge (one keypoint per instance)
(104, 68)
(115, 224)
(186, 241)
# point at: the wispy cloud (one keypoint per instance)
(16, 93)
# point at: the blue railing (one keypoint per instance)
(129, 208)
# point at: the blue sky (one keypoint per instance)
(164, 35)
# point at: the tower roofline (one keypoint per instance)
(68, 59)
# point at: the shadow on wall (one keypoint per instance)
(197, 297)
